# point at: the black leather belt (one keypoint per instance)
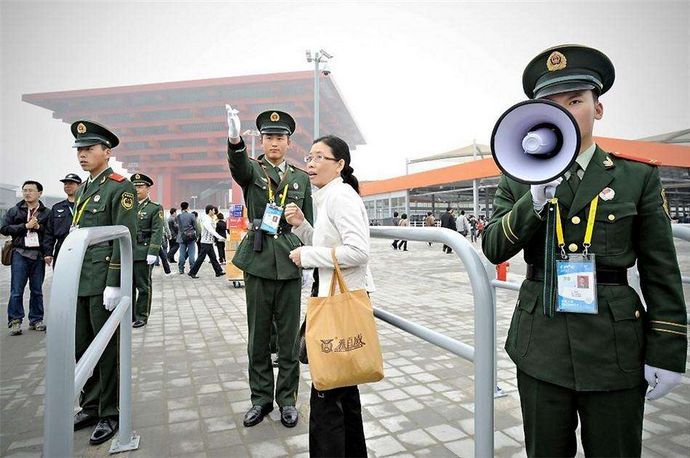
(604, 276)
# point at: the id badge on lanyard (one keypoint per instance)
(31, 238)
(576, 274)
(577, 280)
(273, 212)
(271, 218)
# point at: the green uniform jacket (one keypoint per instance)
(150, 220)
(606, 351)
(110, 200)
(272, 262)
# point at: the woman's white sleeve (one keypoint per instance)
(304, 231)
(347, 215)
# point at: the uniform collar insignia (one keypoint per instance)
(608, 162)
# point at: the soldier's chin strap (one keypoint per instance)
(550, 258)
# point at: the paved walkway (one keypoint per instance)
(190, 382)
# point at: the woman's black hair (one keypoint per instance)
(341, 151)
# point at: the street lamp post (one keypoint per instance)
(254, 134)
(194, 202)
(319, 57)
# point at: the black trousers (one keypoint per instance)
(335, 423)
(206, 249)
(221, 251)
(164, 260)
(611, 420)
(174, 246)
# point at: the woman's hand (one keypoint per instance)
(294, 215)
(296, 256)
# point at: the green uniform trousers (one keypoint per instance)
(611, 420)
(100, 393)
(141, 291)
(269, 300)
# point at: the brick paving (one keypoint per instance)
(190, 385)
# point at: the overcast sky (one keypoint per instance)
(420, 78)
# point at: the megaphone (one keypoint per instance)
(535, 141)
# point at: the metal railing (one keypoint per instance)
(483, 352)
(64, 381)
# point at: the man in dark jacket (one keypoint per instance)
(448, 221)
(186, 237)
(61, 218)
(174, 229)
(26, 223)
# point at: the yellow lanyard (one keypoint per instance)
(270, 190)
(588, 232)
(80, 211)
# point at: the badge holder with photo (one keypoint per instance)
(576, 273)
(273, 212)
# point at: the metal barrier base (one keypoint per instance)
(117, 447)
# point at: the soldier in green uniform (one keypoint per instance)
(105, 199)
(150, 220)
(595, 365)
(273, 282)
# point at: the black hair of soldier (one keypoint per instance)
(340, 151)
(38, 185)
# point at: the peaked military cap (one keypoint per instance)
(140, 178)
(73, 177)
(275, 122)
(87, 133)
(566, 68)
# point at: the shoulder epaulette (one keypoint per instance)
(116, 177)
(297, 168)
(643, 160)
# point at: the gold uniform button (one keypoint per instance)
(575, 220)
(637, 313)
(572, 247)
(612, 217)
(107, 258)
(94, 210)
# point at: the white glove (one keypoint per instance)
(542, 193)
(233, 124)
(150, 258)
(111, 296)
(661, 381)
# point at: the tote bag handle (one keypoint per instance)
(337, 275)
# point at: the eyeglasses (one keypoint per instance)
(318, 158)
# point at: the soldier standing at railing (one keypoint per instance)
(584, 346)
(105, 199)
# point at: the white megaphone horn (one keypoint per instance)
(535, 141)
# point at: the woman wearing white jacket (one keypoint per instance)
(335, 423)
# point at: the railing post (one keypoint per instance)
(484, 329)
(63, 377)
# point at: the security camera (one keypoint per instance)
(325, 54)
(326, 71)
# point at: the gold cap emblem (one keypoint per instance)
(81, 128)
(275, 117)
(556, 61)
(137, 176)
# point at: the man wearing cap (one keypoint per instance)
(273, 282)
(61, 218)
(150, 220)
(595, 365)
(105, 199)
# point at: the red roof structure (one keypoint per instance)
(176, 132)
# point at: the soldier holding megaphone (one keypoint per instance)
(583, 343)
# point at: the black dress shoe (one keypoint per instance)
(138, 324)
(105, 429)
(289, 416)
(220, 274)
(256, 414)
(83, 419)
(193, 276)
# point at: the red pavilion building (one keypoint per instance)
(176, 132)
